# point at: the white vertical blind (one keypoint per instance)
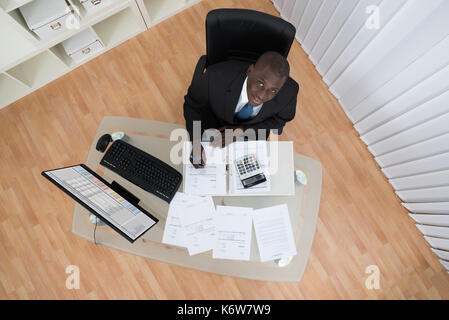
(308, 17)
(341, 13)
(278, 4)
(298, 11)
(433, 231)
(420, 70)
(431, 219)
(287, 9)
(445, 264)
(428, 207)
(392, 81)
(438, 243)
(426, 180)
(321, 19)
(441, 254)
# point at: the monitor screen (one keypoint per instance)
(94, 193)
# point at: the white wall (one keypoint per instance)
(392, 81)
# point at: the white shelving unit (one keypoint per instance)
(14, 45)
(113, 29)
(38, 70)
(154, 11)
(11, 89)
(9, 5)
(27, 63)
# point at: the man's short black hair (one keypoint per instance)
(276, 62)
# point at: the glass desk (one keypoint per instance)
(154, 138)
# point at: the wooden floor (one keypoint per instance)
(361, 221)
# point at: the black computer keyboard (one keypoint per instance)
(142, 169)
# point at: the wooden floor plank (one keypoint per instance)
(360, 223)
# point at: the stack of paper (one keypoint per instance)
(193, 223)
(210, 180)
(190, 223)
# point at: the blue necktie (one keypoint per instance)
(245, 112)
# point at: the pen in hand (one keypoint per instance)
(198, 158)
(198, 162)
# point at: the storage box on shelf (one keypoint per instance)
(86, 8)
(93, 5)
(82, 45)
(74, 22)
(79, 48)
(48, 18)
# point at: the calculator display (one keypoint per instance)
(254, 180)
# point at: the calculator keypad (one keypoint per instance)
(247, 166)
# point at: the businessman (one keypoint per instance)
(242, 98)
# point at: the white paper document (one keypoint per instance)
(274, 233)
(239, 149)
(199, 226)
(174, 231)
(210, 180)
(233, 233)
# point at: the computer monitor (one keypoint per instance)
(96, 195)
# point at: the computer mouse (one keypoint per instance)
(103, 142)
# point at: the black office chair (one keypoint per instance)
(242, 34)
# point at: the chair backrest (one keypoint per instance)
(242, 34)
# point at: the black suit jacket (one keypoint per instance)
(212, 98)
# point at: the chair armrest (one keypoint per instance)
(200, 66)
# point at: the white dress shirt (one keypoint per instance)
(243, 100)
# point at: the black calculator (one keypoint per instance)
(249, 170)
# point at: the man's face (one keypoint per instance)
(262, 84)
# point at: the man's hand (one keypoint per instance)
(198, 156)
(227, 136)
